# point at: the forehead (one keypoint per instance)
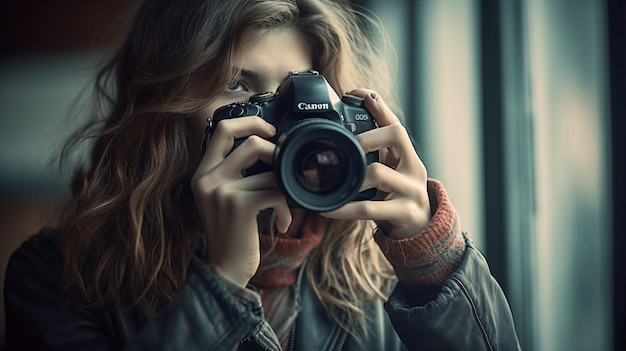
(275, 52)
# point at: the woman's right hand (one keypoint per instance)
(229, 203)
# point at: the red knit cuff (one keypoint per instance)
(432, 255)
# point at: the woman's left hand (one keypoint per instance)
(401, 207)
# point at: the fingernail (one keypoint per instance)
(374, 96)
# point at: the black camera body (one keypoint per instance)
(318, 161)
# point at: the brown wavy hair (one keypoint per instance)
(131, 224)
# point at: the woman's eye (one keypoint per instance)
(237, 86)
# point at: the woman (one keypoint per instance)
(164, 247)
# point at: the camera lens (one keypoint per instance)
(320, 167)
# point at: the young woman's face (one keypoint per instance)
(266, 61)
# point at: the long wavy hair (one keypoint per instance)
(131, 224)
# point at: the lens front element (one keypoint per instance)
(320, 165)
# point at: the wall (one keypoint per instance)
(48, 50)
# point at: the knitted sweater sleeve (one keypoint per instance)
(429, 257)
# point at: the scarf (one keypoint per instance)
(282, 256)
(281, 259)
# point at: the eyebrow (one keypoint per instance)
(249, 74)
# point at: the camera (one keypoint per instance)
(318, 161)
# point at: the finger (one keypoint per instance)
(393, 137)
(392, 210)
(253, 149)
(251, 195)
(228, 194)
(388, 180)
(274, 199)
(377, 107)
(226, 131)
(261, 181)
(213, 192)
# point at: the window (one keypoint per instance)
(508, 103)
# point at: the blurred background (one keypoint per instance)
(515, 105)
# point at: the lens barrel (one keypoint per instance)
(320, 165)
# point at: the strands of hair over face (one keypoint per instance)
(130, 226)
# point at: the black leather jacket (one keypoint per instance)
(469, 313)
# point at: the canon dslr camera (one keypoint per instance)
(318, 161)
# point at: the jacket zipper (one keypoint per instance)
(342, 340)
(292, 337)
(257, 331)
(474, 312)
(298, 297)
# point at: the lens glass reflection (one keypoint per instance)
(320, 166)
